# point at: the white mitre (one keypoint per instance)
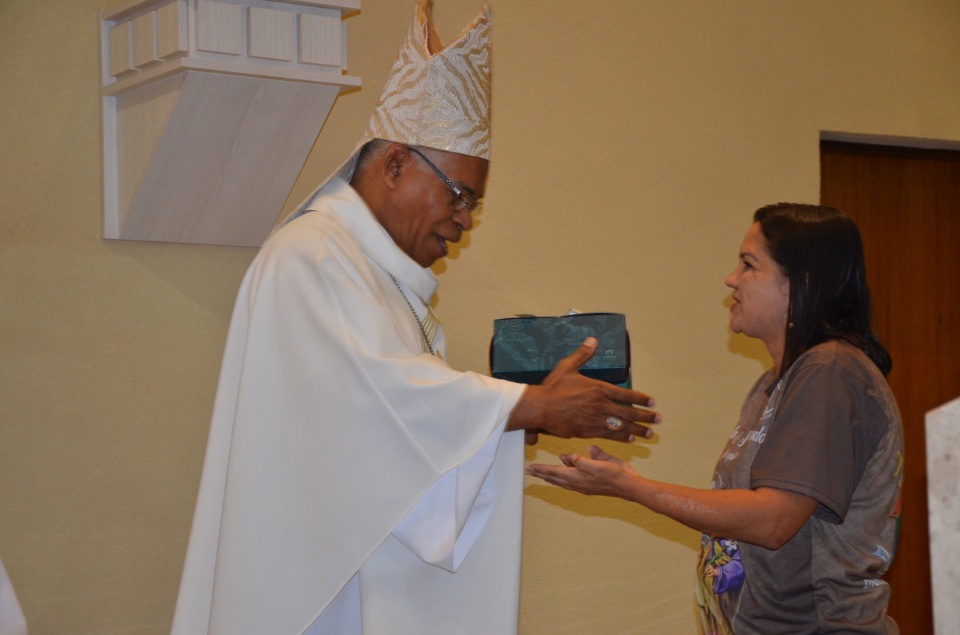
(436, 96)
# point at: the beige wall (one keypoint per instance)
(632, 141)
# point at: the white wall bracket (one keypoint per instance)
(210, 108)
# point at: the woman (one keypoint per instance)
(801, 518)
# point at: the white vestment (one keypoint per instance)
(343, 458)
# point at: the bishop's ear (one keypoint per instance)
(394, 164)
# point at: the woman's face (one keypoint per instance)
(761, 294)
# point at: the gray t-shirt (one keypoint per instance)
(830, 430)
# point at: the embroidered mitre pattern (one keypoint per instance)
(439, 98)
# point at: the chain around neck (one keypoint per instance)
(423, 332)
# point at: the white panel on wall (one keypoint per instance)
(320, 40)
(943, 486)
(144, 42)
(120, 54)
(171, 30)
(219, 27)
(271, 34)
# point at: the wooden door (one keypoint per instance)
(906, 202)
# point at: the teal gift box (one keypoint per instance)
(525, 349)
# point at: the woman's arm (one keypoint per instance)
(766, 516)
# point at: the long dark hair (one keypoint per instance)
(820, 251)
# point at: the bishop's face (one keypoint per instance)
(427, 212)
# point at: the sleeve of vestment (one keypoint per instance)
(447, 521)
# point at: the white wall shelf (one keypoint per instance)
(210, 108)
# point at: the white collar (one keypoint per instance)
(339, 198)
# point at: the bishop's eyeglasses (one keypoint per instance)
(462, 200)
